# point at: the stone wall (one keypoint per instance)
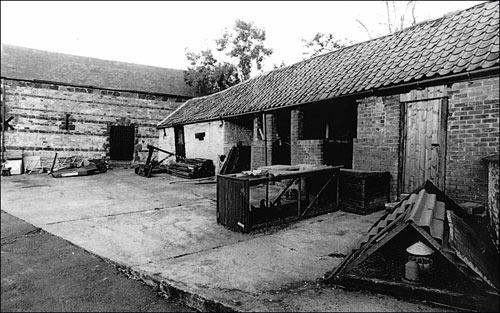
(40, 112)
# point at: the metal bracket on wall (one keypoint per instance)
(7, 124)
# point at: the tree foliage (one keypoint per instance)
(245, 47)
(208, 75)
(323, 43)
(246, 44)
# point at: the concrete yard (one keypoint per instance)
(167, 235)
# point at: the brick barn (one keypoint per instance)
(422, 104)
(72, 105)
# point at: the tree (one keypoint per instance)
(245, 47)
(208, 75)
(246, 44)
(397, 16)
(323, 43)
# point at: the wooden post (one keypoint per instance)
(267, 192)
(337, 200)
(53, 164)
(299, 196)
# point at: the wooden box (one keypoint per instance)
(245, 203)
(363, 192)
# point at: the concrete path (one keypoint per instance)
(167, 235)
(44, 273)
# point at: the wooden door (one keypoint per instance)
(121, 143)
(425, 143)
(180, 148)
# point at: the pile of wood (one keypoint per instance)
(191, 168)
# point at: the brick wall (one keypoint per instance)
(310, 151)
(473, 124)
(237, 130)
(39, 111)
(377, 143)
(297, 124)
(258, 157)
(472, 134)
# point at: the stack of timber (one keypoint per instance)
(363, 192)
(191, 168)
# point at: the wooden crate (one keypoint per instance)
(363, 192)
(245, 203)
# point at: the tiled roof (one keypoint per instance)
(31, 64)
(422, 208)
(464, 41)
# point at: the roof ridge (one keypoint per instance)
(421, 23)
(421, 51)
(34, 64)
(447, 15)
(87, 57)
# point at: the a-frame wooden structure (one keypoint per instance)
(465, 271)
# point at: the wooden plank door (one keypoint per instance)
(425, 144)
(121, 143)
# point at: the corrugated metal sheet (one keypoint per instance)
(460, 42)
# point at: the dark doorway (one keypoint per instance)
(180, 147)
(341, 127)
(336, 124)
(281, 149)
(122, 143)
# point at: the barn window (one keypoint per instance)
(66, 123)
(199, 136)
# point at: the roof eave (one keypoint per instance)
(464, 76)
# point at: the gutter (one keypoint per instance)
(465, 76)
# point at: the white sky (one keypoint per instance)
(157, 33)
